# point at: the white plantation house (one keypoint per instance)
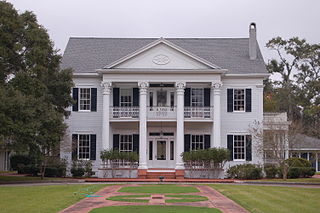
(161, 97)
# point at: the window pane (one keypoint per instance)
(125, 97)
(85, 99)
(238, 99)
(197, 142)
(239, 147)
(197, 99)
(84, 147)
(126, 143)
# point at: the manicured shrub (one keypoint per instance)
(77, 172)
(17, 159)
(245, 171)
(81, 168)
(298, 162)
(271, 170)
(28, 169)
(301, 172)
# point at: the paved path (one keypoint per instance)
(215, 200)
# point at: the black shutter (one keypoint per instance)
(116, 94)
(248, 100)
(93, 147)
(229, 100)
(248, 148)
(230, 145)
(93, 99)
(136, 143)
(74, 147)
(207, 141)
(187, 143)
(116, 142)
(135, 97)
(75, 95)
(187, 97)
(206, 93)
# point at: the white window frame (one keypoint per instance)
(244, 147)
(244, 100)
(89, 146)
(196, 142)
(126, 103)
(79, 95)
(197, 104)
(125, 139)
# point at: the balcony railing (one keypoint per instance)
(124, 112)
(198, 112)
(162, 112)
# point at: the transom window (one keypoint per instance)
(85, 99)
(197, 97)
(126, 97)
(239, 99)
(84, 147)
(239, 147)
(197, 142)
(126, 143)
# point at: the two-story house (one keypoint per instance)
(161, 97)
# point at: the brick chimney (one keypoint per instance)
(253, 41)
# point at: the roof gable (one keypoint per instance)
(161, 54)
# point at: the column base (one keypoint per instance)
(142, 173)
(180, 173)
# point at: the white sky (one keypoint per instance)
(176, 18)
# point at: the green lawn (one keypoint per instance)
(273, 198)
(155, 209)
(41, 199)
(297, 180)
(4, 179)
(130, 198)
(185, 198)
(159, 189)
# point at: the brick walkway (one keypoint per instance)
(215, 200)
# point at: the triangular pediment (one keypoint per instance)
(161, 54)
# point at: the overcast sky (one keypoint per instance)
(176, 18)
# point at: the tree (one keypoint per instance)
(277, 139)
(297, 91)
(34, 91)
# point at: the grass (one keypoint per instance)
(4, 179)
(268, 199)
(130, 198)
(155, 209)
(297, 180)
(159, 189)
(41, 199)
(185, 198)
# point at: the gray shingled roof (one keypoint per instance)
(301, 141)
(88, 54)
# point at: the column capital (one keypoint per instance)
(180, 86)
(143, 85)
(216, 85)
(106, 86)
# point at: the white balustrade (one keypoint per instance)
(162, 112)
(198, 112)
(124, 112)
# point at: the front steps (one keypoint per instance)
(157, 173)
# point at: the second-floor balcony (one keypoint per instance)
(166, 113)
(198, 112)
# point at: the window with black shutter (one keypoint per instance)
(116, 142)
(187, 143)
(230, 145)
(93, 99)
(75, 95)
(248, 100)
(93, 147)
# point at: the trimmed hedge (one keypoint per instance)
(301, 172)
(271, 171)
(20, 159)
(245, 171)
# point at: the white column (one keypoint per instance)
(216, 86)
(143, 125)
(106, 86)
(180, 124)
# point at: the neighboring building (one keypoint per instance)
(161, 97)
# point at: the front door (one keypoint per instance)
(161, 153)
